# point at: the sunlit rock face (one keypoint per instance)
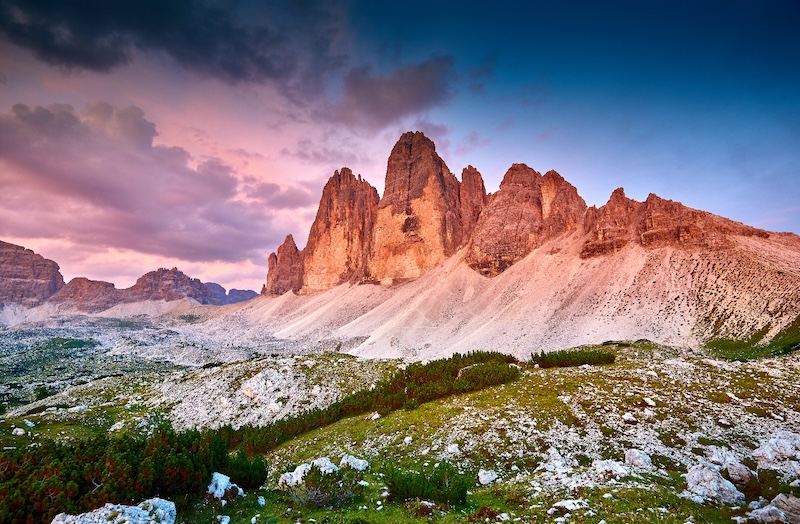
(419, 218)
(26, 278)
(285, 269)
(528, 210)
(341, 236)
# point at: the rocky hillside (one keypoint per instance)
(26, 278)
(528, 266)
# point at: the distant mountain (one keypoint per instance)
(26, 278)
(221, 297)
(551, 271)
(30, 280)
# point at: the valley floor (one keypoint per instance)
(556, 434)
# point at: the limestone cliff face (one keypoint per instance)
(528, 210)
(473, 199)
(285, 269)
(26, 278)
(88, 295)
(340, 239)
(418, 224)
(656, 222)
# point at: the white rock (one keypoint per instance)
(767, 515)
(789, 505)
(148, 512)
(784, 445)
(261, 501)
(628, 418)
(325, 465)
(408, 440)
(649, 401)
(373, 416)
(293, 478)
(486, 476)
(28, 423)
(220, 484)
(18, 432)
(353, 462)
(705, 480)
(720, 455)
(223, 519)
(452, 449)
(571, 505)
(638, 458)
(609, 469)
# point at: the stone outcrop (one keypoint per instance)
(528, 210)
(285, 269)
(340, 239)
(26, 278)
(655, 222)
(88, 295)
(418, 224)
(473, 200)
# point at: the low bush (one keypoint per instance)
(571, 358)
(443, 484)
(326, 489)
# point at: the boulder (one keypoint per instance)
(638, 458)
(789, 505)
(486, 476)
(706, 481)
(152, 511)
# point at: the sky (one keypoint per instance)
(139, 134)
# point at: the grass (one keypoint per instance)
(576, 410)
(784, 343)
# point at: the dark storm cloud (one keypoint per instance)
(95, 178)
(202, 36)
(372, 100)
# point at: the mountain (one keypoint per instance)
(221, 297)
(163, 284)
(26, 278)
(527, 267)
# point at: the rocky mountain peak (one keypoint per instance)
(168, 284)
(341, 236)
(473, 199)
(418, 224)
(26, 278)
(285, 269)
(526, 211)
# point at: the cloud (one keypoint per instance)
(480, 73)
(216, 39)
(94, 178)
(371, 100)
(471, 142)
(310, 153)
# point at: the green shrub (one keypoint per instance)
(571, 358)
(41, 392)
(443, 484)
(328, 490)
(247, 473)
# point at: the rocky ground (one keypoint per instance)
(652, 437)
